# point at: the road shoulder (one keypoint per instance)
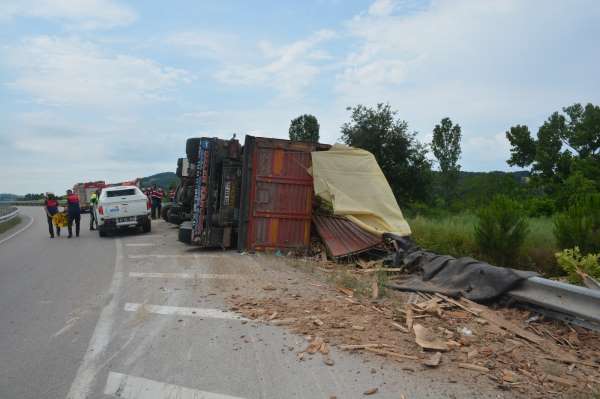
(13, 231)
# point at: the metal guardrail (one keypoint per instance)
(568, 302)
(7, 213)
(21, 203)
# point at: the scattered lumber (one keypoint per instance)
(473, 367)
(391, 354)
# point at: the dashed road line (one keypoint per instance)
(191, 276)
(173, 256)
(131, 387)
(140, 244)
(182, 311)
(147, 236)
(90, 366)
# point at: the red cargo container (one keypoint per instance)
(277, 192)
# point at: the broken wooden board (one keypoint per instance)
(473, 367)
(391, 354)
(426, 339)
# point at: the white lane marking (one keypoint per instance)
(184, 275)
(131, 387)
(140, 244)
(181, 311)
(90, 366)
(158, 256)
(19, 231)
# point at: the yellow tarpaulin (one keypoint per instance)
(352, 182)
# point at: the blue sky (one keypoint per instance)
(110, 89)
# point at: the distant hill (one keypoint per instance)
(164, 180)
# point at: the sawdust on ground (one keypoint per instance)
(518, 354)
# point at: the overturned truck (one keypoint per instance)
(255, 197)
(265, 196)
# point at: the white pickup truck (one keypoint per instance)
(122, 207)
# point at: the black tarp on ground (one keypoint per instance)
(467, 277)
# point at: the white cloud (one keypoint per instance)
(487, 65)
(381, 7)
(289, 69)
(204, 44)
(67, 71)
(77, 14)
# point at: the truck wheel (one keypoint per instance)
(191, 149)
(101, 232)
(165, 211)
(185, 233)
(147, 227)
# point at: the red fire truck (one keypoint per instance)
(85, 190)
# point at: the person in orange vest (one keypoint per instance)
(74, 213)
(51, 207)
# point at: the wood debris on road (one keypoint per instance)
(512, 348)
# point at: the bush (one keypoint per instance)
(572, 262)
(579, 226)
(540, 206)
(501, 231)
(451, 235)
(572, 189)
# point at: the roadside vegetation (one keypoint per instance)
(455, 235)
(5, 226)
(524, 219)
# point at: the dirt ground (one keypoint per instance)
(508, 349)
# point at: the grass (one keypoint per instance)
(9, 224)
(454, 235)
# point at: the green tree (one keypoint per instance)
(401, 157)
(501, 230)
(304, 128)
(566, 142)
(579, 225)
(446, 148)
(522, 152)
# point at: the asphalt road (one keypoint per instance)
(44, 284)
(142, 316)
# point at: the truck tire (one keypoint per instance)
(191, 149)
(147, 226)
(101, 232)
(185, 232)
(164, 212)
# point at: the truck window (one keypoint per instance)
(120, 193)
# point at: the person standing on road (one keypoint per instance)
(93, 203)
(156, 195)
(51, 207)
(161, 193)
(74, 212)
